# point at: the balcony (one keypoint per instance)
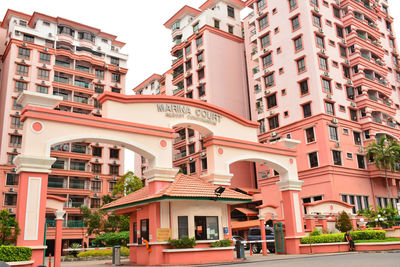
(368, 62)
(361, 6)
(360, 23)
(180, 155)
(179, 138)
(177, 89)
(83, 84)
(358, 39)
(370, 82)
(78, 184)
(371, 101)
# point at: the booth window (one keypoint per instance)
(206, 227)
(144, 229)
(134, 227)
(182, 226)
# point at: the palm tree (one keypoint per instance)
(385, 154)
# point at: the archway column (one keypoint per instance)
(294, 226)
(31, 202)
(58, 246)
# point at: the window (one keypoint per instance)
(99, 74)
(265, 40)
(271, 101)
(29, 38)
(326, 85)
(216, 23)
(200, 57)
(339, 31)
(43, 74)
(336, 12)
(337, 157)
(23, 52)
(353, 115)
(295, 23)
(114, 61)
(96, 186)
(10, 199)
(307, 110)
(269, 80)
(320, 41)
(189, 80)
(323, 63)
(298, 43)
(144, 229)
(346, 72)
(188, 64)
(260, 4)
(192, 167)
(115, 77)
(273, 122)
(199, 41)
(196, 28)
(114, 169)
(304, 87)
(97, 151)
(333, 133)
(20, 86)
(44, 57)
(95, 203)
(313, 159)
(310, 135)
(267, 60)
(361, 161)
(204, 164)
(12, 179)
(329, 108)
(202, 90)
(316, 20)
(263, 22)
(86, 36)
(301, 65)
(115, 90)
(65, 30)
(192, 149)
(96, 168)
(200, 74)
(343, 51)
(114, 153)
(98, 88)
(357, 138)
(230, 29)
(22, 69)
(292, 4)
(16, 122)
(206, 227)
(15, 140)
(183, 229)
(231, 11)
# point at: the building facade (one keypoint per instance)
(56, 56)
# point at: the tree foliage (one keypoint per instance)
(343, 223)
(9, 228)
(373, 216)
(127, 184)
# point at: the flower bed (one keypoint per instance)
(339, 237)
(102, 252)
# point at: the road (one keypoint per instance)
(384, 259)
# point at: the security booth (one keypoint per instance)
(187, 206)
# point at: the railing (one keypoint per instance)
(382, 82)
(63, 64)
(178, 89)
(378, 120)
(391, 124)
(80, 99)
(372, 97)
(78, 185)
(365, 56)
(57, 165)
(180, 155)
(56, 184)
(83, 84)
(74, 224)
(72, 204)
(179, 138)
(82, 68)
(51, 223)
(260, 109)
(369, 76)
(386, 102)
(61, 79)
(81, 150)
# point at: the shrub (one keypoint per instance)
(316, 232)
(184, 242)
(11, 253)
(102, 252)
(112, 239)
(339, 237)
(343, 223)
(222, 243)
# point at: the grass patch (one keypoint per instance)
(102, 252)
(389, 239)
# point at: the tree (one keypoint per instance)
(9, 229)
(382, 217)
(385, 154)
(343, 223)
(127, 184)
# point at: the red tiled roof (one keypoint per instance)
(184, 186)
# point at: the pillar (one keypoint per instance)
(294, 227)
(58, 242)
(263, 235)
(310, 222)
(324, 221)
(353, 219)
(31, 202)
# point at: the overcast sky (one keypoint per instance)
(137, 23)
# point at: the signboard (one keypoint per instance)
(398, 208)
(190, 113)
(163, 234)
(278, 234)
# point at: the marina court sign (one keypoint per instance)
(190, 113)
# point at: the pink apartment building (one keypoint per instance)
(53, 55)
(322, 72)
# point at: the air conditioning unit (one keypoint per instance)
(201, 83)
(337, 144)
(95, 195)
(96, 160)
(335, 121)
(16, 131)
(353, 104)
(329, 96)
(97, 144)
(10, 210)
(13, 170)
(202, 154)
(187, 72)
(265, 50)
(114, 162)
(267, 92)
(98, 48)
(117, 68)
(45, 49)
(289, 136)
(15, 150)
(190, 158)
(337, 2)
(266, 71)
(316, 9)
(24, 44)
(347, 62)
(21, 78)
(349, 82)
(17, 33)
(44, 66)
(273, 134)
(17, 113)
(323, 51)
(271, 112)
(320, 30)
(361, 150)
(326, 74)
(114, 178)
(23, 61)
(50, 34)
(96, 177)
(260, 13)
(199, 65)
(99, 81)
(11, 189)
(344, 41)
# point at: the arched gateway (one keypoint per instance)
(144, 124)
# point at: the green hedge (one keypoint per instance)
(112, 239)
(339, 237)
(12, 253)
(222, 243)
(102, 252)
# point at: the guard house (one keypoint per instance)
(186, 206)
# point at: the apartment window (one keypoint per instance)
(337, 157)
(200, 74)
(357, 138)
(336, 12)
(202, 90)
(269, 80)
(97, 151)
(44, 57)
(295, 23)
(326, 85)
(310, 135)
(192, 167)
(231, 11)
(323, 63)
(95, 203)
(265, 40)
(43, 74)
(78, 165)
(292, 4)
(304, 87)
(298, 43)
(199, 41)
(343, 51)
(22, 69)
(260, 4)
(216, 23)
(346, 72)
(273, 122)
(353, 115)
(230, 29)
(66, 30)
(361, 161)
(99, 74)
(263, 22)
(188, 64)
(316, 20)
(301, 65)
(20, 86)
(183, 228)
(98, 88)
(114, 61)
(10, 199)
(16, 122)
(114, 153)
(23, 52)
(29, 38)
(320, 41)
(261, 127)
(209, 227)
(200, 57)
(12, 179)
(339, 31)
(86, 36)
(313, 159)
(111, 186)
(115, 77)
(271, 101)
(267, 60)
(329, 108)
(114, 169)
(196, 28)
(15, 140)
(115, 90)
(306, 110)
(314, 3)
(189, 80)
(333, 133)
(96, 168)
(188, 49)
(204, 164)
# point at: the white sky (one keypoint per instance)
(137, 23)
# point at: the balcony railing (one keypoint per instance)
(61, 79)
(180, 155)
(178, 89)
(77, 149)
(74, 204)
(74, 224)
(372, 97)
(63, 64)
(391, 124)
(377, 120)
(77, 184)
(82, 68)
(56, 184)
(179, 138)
(83, 84)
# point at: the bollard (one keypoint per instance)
(239, 246)
(50, 260)
(116, 255)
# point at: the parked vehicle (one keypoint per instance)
(254, 234)
(237, 238)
